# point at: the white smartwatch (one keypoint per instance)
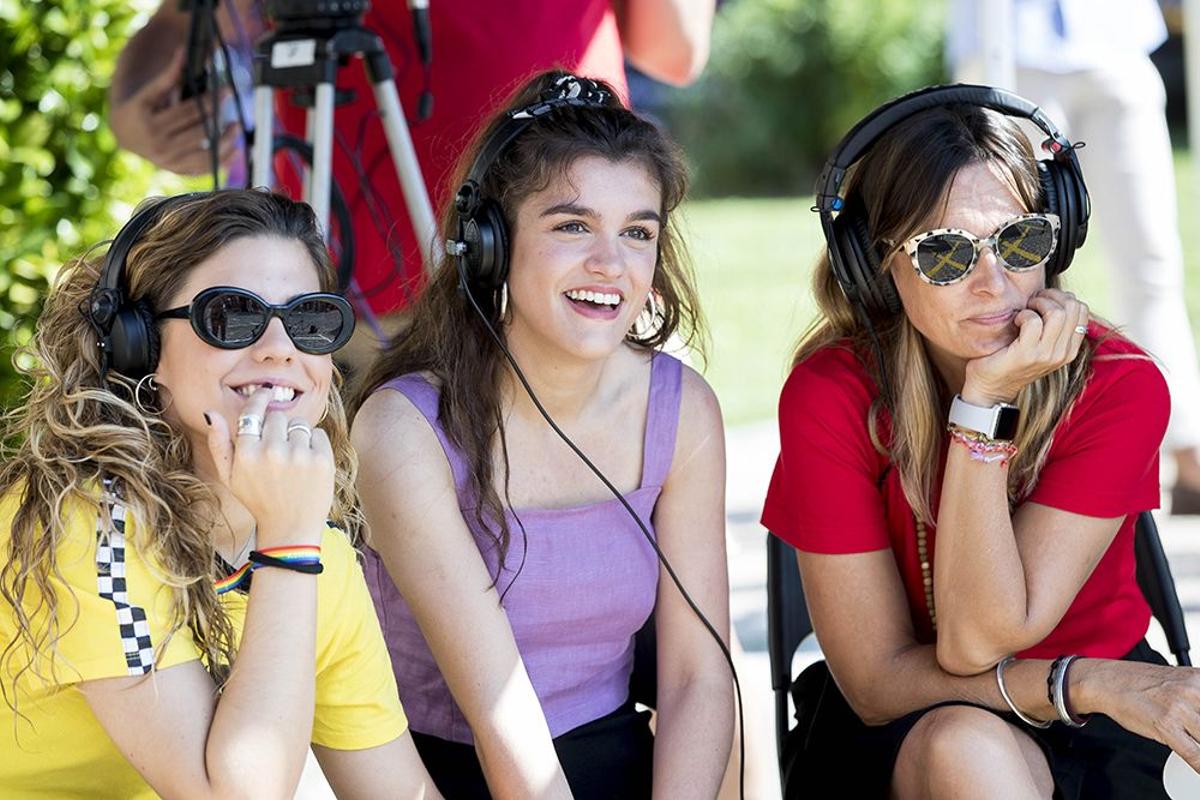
(995, 422)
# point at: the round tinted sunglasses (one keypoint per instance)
(232, 318)
(947, 255)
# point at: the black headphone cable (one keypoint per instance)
(247, 135)
(465, 286)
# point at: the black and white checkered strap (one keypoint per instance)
(111, 582)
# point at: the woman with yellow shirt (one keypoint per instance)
(181, 610)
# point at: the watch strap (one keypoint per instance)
(995, 422)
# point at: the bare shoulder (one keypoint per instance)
(395, 441)
(698, 405)
(701, 428)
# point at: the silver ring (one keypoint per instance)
(250, 425)
(297, 425)
(1081, 329)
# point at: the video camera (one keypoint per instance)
(316, 14)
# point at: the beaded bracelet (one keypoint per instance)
(981, 447)
(297, 558)
(1054, 665)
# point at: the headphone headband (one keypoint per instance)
(871, 128)
(569, 90)
(129, 235)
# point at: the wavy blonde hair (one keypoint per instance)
(900, 185)
(76, 429)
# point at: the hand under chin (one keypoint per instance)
(994, 344)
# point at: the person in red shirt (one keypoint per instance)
(946, 564)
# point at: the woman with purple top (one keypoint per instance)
(509, 581)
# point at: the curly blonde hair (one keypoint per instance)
(76, 428)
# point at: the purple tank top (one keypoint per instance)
(588, 584)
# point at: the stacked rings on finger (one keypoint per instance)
(297, 425)
(250, 425)
(1081, 329)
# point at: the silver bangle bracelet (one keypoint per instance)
(1033, 723)
(1059, 694)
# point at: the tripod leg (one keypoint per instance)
(321, 126)
(416, 198)
(264, 101)
(310, 122)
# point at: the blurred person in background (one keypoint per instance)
(482, 50)
(1087, 64)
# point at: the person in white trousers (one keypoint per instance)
(1086, 63)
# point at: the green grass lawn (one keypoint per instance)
(754, 257)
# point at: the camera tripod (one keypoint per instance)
(308, 57)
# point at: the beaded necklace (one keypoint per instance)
(926, 571)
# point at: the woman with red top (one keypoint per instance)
(962, 464)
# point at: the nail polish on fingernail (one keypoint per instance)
(207, 419)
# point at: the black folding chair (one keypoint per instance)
(1155, 580)
(788, 622)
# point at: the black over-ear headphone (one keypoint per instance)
(127, 337)
(853, 258)
(481, 237)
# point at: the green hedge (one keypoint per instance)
(787, 78)
(63, 184)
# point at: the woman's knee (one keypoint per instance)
(958, 745)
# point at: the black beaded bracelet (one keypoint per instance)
(1063, 699)
(306, 567)
(1050, 680)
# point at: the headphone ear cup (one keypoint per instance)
(884, 286)
(1059, 196)
(877, 292)
(852, 262)
(486, 237)
(1081, 208)
(500, 251)
(134, 341)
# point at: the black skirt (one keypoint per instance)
(832, 753)
(608, 758)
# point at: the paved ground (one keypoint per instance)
(751, 456)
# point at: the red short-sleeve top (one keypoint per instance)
(833, 492)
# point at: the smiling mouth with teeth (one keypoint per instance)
(279, 394)
(609, 299)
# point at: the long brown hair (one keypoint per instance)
(75, 429)
(900, 185)
(446, 337)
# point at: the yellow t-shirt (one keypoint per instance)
(114, 614)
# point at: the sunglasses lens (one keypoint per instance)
(233, 320)
(945, 257)
(1026, 243)
(316, 326)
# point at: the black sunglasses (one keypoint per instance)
(232, 318)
